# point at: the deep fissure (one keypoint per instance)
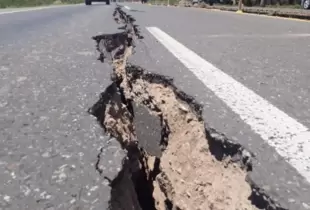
(187, 144)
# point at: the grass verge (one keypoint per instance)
(32, 3)
(269, 11)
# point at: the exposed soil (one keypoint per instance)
(187, 175)
(190, 177)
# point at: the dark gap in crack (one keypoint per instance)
(260, 199)
(123, 192)
(113, 44)
(114, 96)
(131, 186)
(98, 109)
(221, 147)
(144, 187)
(168, 204)
(127, 102)
(156, 169)
(165, 131)
(98, 169)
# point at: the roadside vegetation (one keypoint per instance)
(269, 3)
(288, 4)
(29, 3)
(298, 9)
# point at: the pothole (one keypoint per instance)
(174, 161)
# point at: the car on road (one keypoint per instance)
(88, 2)
(305, 4)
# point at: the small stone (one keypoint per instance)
(188, 194)
(7, 198)
(183, 108)
(94, 188)
(179, 170)
(45, 154)
(13, 175)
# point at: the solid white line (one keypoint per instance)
(32, 9)
(290, 138)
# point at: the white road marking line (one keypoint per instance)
(32, 9)
(290, 138)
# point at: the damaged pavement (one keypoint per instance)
(174, 160)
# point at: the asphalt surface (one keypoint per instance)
(49, 77)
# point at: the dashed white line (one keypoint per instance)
(290, 138)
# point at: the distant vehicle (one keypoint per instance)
(88, 2)
(305, 4)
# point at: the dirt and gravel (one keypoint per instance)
(215, 184)
(185, 174)
(278, 12)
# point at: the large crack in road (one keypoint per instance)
(174, 160)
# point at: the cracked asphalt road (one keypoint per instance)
(49, 77)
